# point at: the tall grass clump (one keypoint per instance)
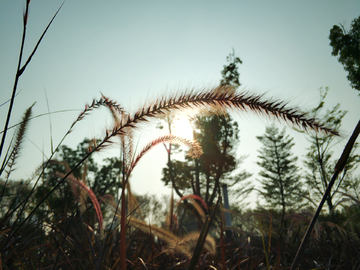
(58, 222)
(208, 99)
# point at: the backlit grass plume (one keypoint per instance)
(10, 160)
(206, 99)
(211, 99)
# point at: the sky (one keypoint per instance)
(136, 51)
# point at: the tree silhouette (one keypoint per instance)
(346, 45)
(218, 137)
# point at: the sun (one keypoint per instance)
(183, 128)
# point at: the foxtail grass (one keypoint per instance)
(9, 160)
(205, 99)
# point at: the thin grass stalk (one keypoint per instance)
(123, 220)
(264, 247)
(200, 243)
(338, 168)
(151, 237)
(63, 241)
(50, 125)
(222, 240)
(270, 233)
(171, 212)
(39, 41)
(40, 115)
(17, 76)
(5, 160)
(19, 70)
(239, 266)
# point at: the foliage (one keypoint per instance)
(319, 161)
(103, 179)
(281, 180)
(346, 45)
(230, 74)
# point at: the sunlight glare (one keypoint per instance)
(183, 128)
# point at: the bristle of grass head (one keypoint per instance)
(115, 109)
(103, 101)
(219, 98)
(127, 144)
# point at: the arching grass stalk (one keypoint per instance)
(265, 252)
(203, 234)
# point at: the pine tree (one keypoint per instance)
(280, 176)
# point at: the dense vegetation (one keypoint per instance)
(77, 214)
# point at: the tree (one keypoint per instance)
(281, 181)
(230, 73)
(101, 179)
(346, 45)
(218, 137)
(319, 162)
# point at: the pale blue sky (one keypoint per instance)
(133, 51)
